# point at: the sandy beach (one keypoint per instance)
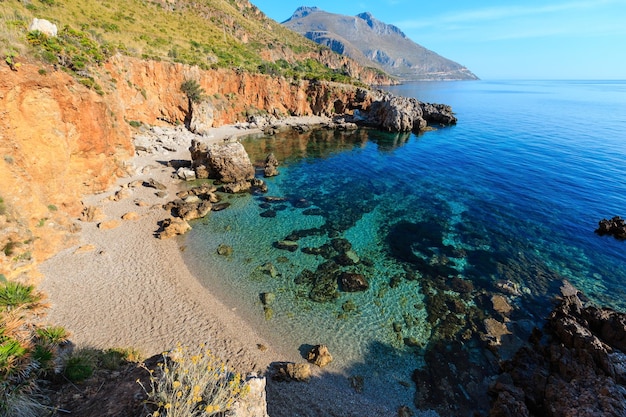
(123, 287)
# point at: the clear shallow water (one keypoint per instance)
(439, 222)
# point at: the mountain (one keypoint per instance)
(372, 42)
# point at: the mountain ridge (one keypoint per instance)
(370, 41)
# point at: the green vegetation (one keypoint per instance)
(193, 91)
(208, 33)
(26, 350)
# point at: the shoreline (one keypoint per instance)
(124, 288)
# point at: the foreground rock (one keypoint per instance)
(227, 163)
(173, 226)
(580, 371)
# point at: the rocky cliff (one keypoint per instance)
(60, 140)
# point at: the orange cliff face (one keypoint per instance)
(59, 140)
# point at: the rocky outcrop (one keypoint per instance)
(615, 227)
(577, 368)
(403, 114)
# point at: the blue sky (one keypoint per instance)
(510, 39)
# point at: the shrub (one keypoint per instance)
(193, 90)
(193, 384)
(27, 351)
(80, 366)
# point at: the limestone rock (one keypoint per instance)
(270, 166)
(201, 118)
(286, 245)
(320, 356)
(236, 187)
(579, 370)
(501, 305)
(173, 226)
(254, 403)
(228, 163)
(107, 225)
(289, 371)
(494, 331)
(44, 26)
(152, 183)
(186, 174)
(615, 227)
(224, 250)
(130, 216)
(92, 214)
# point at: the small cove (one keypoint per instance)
(504, 203)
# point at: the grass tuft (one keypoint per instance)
(193, 383)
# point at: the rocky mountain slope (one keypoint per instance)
(372, 42)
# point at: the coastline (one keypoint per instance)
(124, 288)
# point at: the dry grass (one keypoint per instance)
(193, 383)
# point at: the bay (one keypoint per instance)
(503, 204)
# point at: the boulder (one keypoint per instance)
(110, 224)
(270, 166)
(224, 250)
(289, 371)
(92, 214)
(320, 356)
(186, 174)
(193, 210)
(352, 282)
(173, 226)
(44, 26)
(228, 163)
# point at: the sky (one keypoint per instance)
(501, 39)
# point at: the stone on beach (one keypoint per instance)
(320, 356)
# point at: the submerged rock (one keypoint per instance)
(352, 282)
(286, 245)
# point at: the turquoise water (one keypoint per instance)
(504, 203)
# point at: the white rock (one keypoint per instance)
(44, 26)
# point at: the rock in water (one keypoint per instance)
(352, 282)
(615, 227)
(270, 166)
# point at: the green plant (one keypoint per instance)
(112, 359)
(3, 207)
(193, 384)
(134, 123)
(27, 351)
(52, 207)
(15, 295)
(193, 90)
(80, 366)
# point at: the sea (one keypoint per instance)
(460, 237)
